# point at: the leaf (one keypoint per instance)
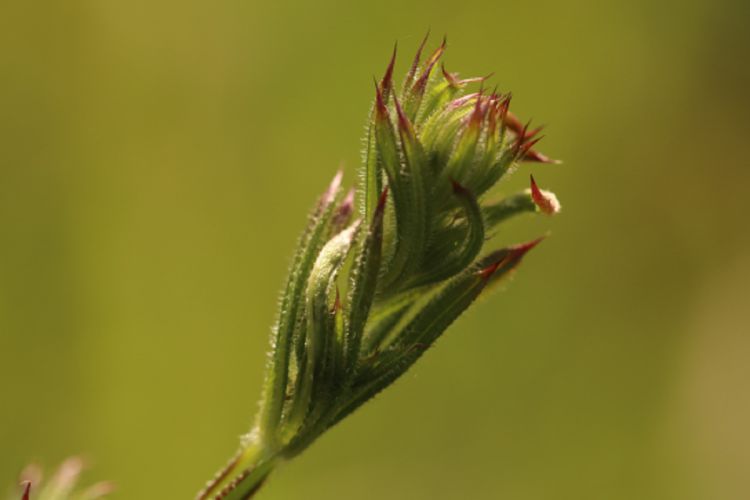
(413, 220)
(432, 320)
(274, 389)
(401, 185)
(364, 276)
(498, 212)
(314, 383)
(413, 97)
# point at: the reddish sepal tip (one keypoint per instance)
(344, 210)
(381, 112)
(330, 193)
(510, 121)
(387, 80)
(418, 55)
(458, 188)
(26, 490)
(403, 121)
(488, 271)
(535, 192)
(544, 200)
(382, 200)
(518, 251)
(337, 303)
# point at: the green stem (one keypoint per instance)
(243, 476)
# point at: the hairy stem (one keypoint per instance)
(243, 475)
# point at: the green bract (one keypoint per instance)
(365, 299)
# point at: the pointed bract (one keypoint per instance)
(421, 83)
(386, 84)
(545, 200)
(535, 156)
(518, 251)
(381, 111)
(330, 193)
(417, 58)
(404, 125)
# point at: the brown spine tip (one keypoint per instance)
(26, 490)
(348, 204)
(488, 271)
(344, 210)
(458, 189)
(518, 251)
(480, 110)
(337, 303)
(457, 103)
(544, 200)
(330, 193)
(511, 121)
(509, 258)
(386, 83)
(536, 193)
(494, 112)
(523, 145)
(381, 112)
(381, 201)
(421, 83)
(527, 145)
(450, 77)
(417, 57)
(503, 111)
(453, 81)
(534, 132)
(404, 124)
(475, 79)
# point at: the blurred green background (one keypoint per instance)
(157, 161)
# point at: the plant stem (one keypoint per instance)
(243, 476)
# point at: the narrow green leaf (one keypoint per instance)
(274, 389)
(439, 132)
(440, 93)
(364, 276)
(504, 163)
(498, 212)
(418, 334)
(432, 320)
(412, 222)
(314, 384)
(399, 185)
(371, 182)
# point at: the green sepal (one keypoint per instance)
(439, 132)
(314, 385)
(415, 88)
(277, 371)
(411, 223)
(400, 184)
(504, 162)
(469, 240)
(417, 335)
(500, 211)
(371, 181)
(437, 96)
(363, 283)
(464, 154)
(433, 318)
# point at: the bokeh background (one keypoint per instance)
(157, 160)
